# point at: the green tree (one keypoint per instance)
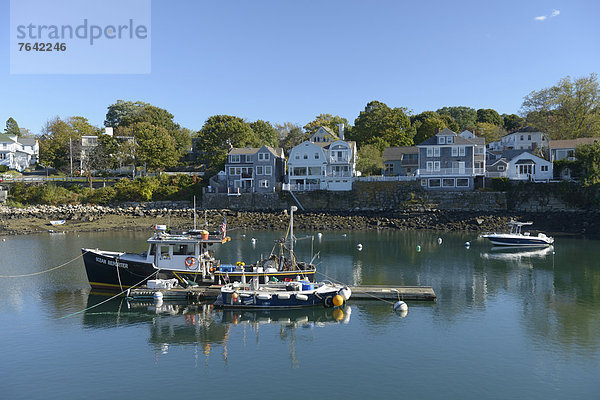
(427, 124)
(450, 123)
(290, 135)
(589, 158)
(466, 117)
(265, 132)
(512, 122)
(329, 121)
(156, 148)
(218, 134)
(380, 122)
(12, 128)
(370, 160)
(570, 109)
(489, 116)
(123, 113)
(61, 141)
(490, 132)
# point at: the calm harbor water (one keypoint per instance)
(507, 325)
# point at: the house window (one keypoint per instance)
(316, 156)
(442, 140)
(436, 165)
(263, 183)
(306, 156)
(436, 151)
(268, 170)
(234, 158)
(430, 152)
(389, 168)
(423, 182)
(259, 170)
(299, 171)
(231, 171)
(297, 156)
(522, 137)
(448, 182)
(500, 167)
(544, 168)
(528, 137)
(429, 165)
(462, 182)
(434, 182)
(454, 151)
(263, 156)
(461, 151)
(450, 140)
(479, 150)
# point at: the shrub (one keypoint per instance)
(501, 184)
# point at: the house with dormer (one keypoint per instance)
(526, 138)
(520, 165)
(254, 170)
(323, 162)
(447, 161)
(18, 153)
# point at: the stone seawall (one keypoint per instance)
(365, 196)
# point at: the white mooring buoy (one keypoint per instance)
(400, 306)
(359, 247)
(439, 240)
(418, 248)
(467, 244)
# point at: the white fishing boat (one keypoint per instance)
(58, 222)
(516, 237)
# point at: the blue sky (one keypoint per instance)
(280, 60)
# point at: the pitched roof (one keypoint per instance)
(27, 141)
(6, 138)
(396, 153)
(446, 132)
(278, 152)
(432, 141)
(572, 143)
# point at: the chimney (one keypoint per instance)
(341, 131)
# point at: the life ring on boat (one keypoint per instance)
(328, 302)
(240, 263)
(190, 262)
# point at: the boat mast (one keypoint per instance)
(292, 209)
(194, 212)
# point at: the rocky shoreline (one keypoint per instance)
(179, 216)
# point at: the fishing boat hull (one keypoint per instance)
(116, 271)
(108, 271)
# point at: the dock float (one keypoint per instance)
(377, 292)
(368, 292)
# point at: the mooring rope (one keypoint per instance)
(111, 298)
(45, 271)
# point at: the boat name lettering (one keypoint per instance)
(111, 262)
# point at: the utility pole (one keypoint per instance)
(71, 156)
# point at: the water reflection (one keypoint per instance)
(181, 324)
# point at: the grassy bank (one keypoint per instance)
(154, 188)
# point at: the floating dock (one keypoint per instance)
(370, 292)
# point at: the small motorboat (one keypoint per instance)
(291, 294)
(58, 222)
(518, 238)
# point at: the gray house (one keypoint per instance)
(260, 170)
(400, 161)
(447, 162)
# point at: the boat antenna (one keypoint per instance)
(194, 212)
